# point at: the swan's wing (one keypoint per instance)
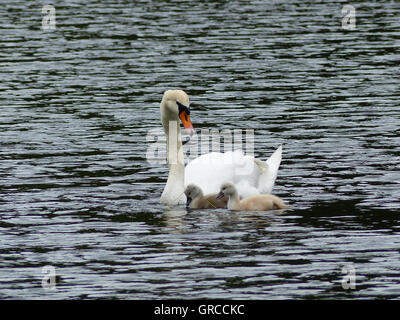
(209, 171)
(250, 176)
(269, 171)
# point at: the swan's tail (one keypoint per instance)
(279, 204)
(269, 171)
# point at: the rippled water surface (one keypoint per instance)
(77, 106)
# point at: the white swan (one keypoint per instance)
(249, 175)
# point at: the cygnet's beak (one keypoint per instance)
(184, 115)
(188, 201)
(220, 195)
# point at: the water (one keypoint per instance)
(78, 194)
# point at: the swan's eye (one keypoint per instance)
(183, 113)
(182, 108)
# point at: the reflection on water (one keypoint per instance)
(79, 102)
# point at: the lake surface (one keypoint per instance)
(78, 194)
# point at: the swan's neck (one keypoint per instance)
(233, 201)
(173, 191)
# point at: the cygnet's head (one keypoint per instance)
(192, 192)
(227, 189)
(174, 105)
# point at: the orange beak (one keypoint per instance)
(184, 113)
(185, 118)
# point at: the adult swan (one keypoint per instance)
(249, 175)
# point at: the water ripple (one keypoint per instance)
(77, 191)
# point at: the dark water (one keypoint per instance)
(78, 194)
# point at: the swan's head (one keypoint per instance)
(227, 189)
(192, 192)
(174, 105)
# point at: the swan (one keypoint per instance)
(196, 199)
(250, 175)
(261, 202)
